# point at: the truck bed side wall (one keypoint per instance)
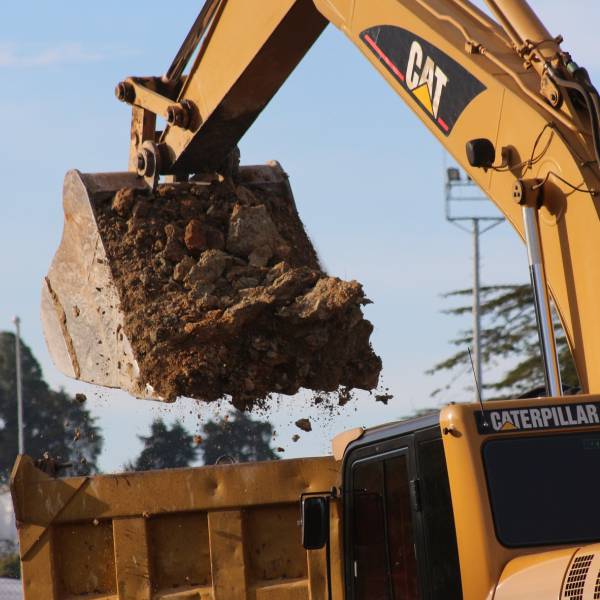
(221, 533)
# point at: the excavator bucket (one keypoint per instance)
(201, 289)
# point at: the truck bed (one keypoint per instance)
(228, 532)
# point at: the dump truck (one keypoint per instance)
(481, 501)
(494, 502)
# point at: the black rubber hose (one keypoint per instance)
(593, 106)
(595, 100)
(584, 78)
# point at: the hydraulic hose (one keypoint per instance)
(591, 100)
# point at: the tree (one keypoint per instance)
(509, 333)
(239, 437)
(10, 566)
(53, 421)
(165, 448)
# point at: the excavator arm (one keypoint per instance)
(500, 95)
(244, 53)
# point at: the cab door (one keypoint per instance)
(381, 559)
(434, 522)
(400, 539)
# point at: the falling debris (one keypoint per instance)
(198, 440)
(81, 398)
(222, 294)
(295, 437)
(304, 424)
(344, 396)
(280, 449)
(385, 398)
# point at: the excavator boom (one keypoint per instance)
(500, 95)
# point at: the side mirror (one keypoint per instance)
(315, 522)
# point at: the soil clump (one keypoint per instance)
(304, 424)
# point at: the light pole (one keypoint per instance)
(459, 190)
(17, 322)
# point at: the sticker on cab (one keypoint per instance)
(442, 87)
(508, 420)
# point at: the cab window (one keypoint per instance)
(383, 551)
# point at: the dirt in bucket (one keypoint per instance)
(223, 295)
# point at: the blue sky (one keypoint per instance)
(367, 176)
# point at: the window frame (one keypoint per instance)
(379, 452)
(427, 566)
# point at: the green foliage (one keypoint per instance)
(509, 333)
(52, 418)
(165, 448)
(10, 566)
(238, 437)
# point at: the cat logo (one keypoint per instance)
(441, 87)
(425, 79)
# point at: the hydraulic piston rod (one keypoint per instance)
(542, 300)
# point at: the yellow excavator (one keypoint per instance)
(481, 501)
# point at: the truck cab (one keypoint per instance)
(496, 501)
